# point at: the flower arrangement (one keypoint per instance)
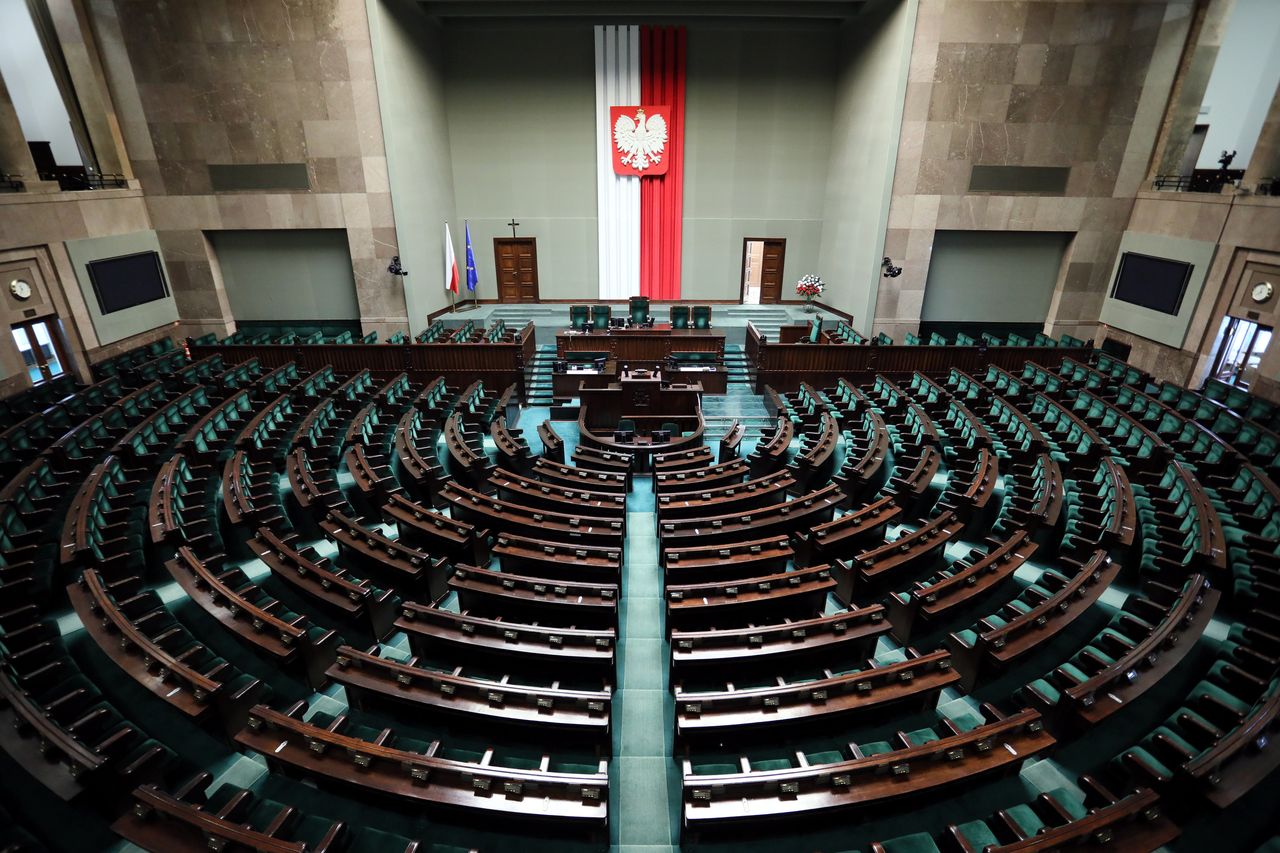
(810, 286)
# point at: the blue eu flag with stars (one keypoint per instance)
(472, 278)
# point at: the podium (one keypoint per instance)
(649, 401)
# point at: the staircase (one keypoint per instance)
(740, 371)
(538, 376)
(766, 318)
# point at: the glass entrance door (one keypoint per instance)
(41, 351)
(1243, 344)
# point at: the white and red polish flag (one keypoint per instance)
(640, 115)
(450, 263)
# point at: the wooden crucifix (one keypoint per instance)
(513, 225)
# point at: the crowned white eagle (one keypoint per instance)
(640, 140)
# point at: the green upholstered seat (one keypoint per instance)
(1025, 818)
(702, 316)
(919, 737)
(829, 756)
(876, 747)
(714, 768)
(920, 842)
(1046, 688)
(967, 720)
(600, 315)
(679, 316)
(977, 834)
(1071, 801)
(890, 657)
(1214, 691)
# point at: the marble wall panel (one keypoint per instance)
(1027, 83)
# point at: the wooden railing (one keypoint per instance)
(497, 364)
(785, 366)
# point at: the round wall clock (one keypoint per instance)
(1262, 291)
(20, 289)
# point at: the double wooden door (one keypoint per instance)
(516, 260)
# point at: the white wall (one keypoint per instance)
(408, 59)
(757, 140)
(993, 276)
(1242, 84)
(520, 106)
(293, 274)
(31, 86)
(870, 92)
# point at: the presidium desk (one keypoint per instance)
(699, 351)
(641, 344)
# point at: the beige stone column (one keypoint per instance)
(1199, 55)
(84, 66)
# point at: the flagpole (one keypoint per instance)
(448, 239)
(466, 261)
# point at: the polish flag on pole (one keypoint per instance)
(450, 263)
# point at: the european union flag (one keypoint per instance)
(472, 278)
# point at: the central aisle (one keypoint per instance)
(645, 790)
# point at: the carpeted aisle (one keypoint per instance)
(645, 808)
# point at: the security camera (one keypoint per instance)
(890, 271)
(395, 268)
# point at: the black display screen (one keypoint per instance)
(127, 281)
(1151, 282)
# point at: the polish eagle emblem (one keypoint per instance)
(640, 141)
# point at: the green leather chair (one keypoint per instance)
(639, 309)
(702, 316)
(679, 316)
(579, 316)
(600, 315)
(673, 430)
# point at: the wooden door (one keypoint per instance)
(771, 265)
(41, 347)
(516, 260)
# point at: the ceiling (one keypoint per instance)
(646, 11)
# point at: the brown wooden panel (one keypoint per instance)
(497, 364)
(784, 366)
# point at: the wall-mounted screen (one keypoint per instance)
(1151, 282)
(127, 281)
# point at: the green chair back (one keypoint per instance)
(639, 309)
(702, 316)
(578, 316)
(679, 316)
(600, 315)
